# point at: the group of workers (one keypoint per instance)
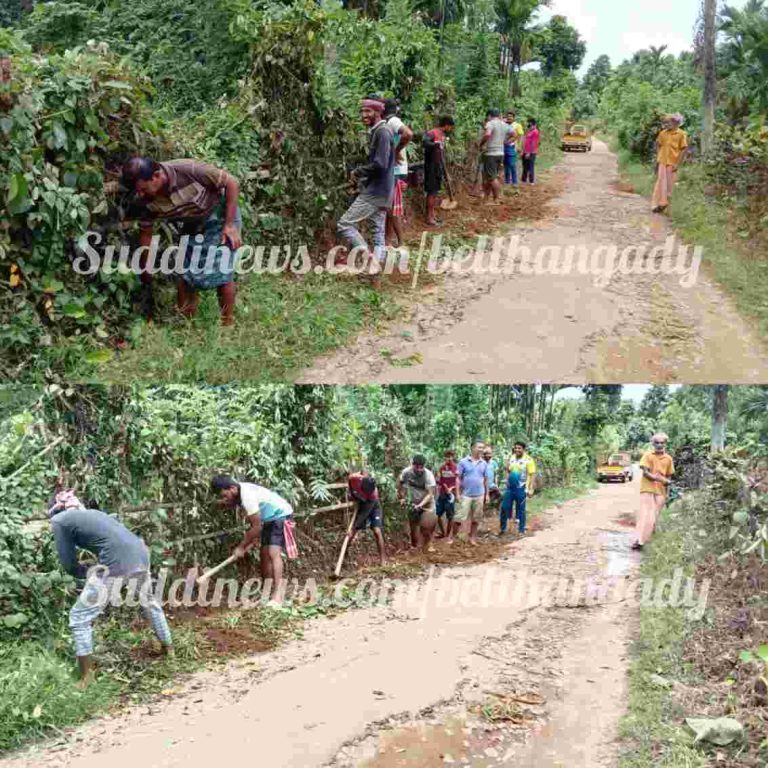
(202, 200)
(441, 501)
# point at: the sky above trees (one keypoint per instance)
(618, 29)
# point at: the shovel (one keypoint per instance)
(344, 545)
(450, 203)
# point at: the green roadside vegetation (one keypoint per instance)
(685, 665)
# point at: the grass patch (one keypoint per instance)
(282, 325)
(734, 250)
(651, 729)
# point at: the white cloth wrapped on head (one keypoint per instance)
(65, 500)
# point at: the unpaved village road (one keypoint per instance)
(502, 328)
(389, 687)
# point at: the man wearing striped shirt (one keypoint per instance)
(203, 201)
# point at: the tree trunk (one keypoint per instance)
(710, 75)
(719, 416)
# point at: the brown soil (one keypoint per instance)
(419, 684)
(634, 327)
(739, 596)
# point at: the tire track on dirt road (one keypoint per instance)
(368, 679)
(500, 328)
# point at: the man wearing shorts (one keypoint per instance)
(447, 477)
(362, 488)
(492, 144)
(270, 522)
(472, 493)
(416, 487)
(657, 468)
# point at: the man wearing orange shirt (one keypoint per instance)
(657, 468)
(671, 147)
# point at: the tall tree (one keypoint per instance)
(710, 77)
(560, 47)
(513, 19)
(654, 401)
(597, 76)
(719, 416)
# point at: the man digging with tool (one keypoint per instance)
(362, 488)
(123, 561)
(270, 522)
(202, 201)
(416, 488)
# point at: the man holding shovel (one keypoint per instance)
(123, 560)
(270, 523)
(362, 488)
(434, 164)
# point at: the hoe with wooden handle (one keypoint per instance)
(207, 575)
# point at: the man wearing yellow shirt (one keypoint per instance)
(671, 147)
(520, 486)
(657, 468)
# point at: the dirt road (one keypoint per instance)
(464, 673)
(547, 327)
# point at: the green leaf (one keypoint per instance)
(746, 656)
(100, 356)
(18, 194)
(74, 310)
(117, 84)
(52, 285)
(762, 652)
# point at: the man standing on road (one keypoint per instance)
(377, 180)
(520, 487)
(121, 555)
(362, 488)
(447, 477)
(492, 145)
(671, 148)
(416, 487)
(510, 149)
(492, 473)
(401, 135)
(472, 493)
(270, 523)
(531, 143)
(657, 468)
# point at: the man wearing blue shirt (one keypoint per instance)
(471, 493)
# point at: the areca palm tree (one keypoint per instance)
(746, 48)
(513, 19)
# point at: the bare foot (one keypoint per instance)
(474, 542)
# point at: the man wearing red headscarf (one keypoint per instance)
(376, 179)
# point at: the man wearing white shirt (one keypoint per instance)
(269, 522)
(402, 136)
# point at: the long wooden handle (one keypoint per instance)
(447, 179)
(344, 546)
(207, 575)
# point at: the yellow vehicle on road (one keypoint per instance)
(618, 467)
(576, 138)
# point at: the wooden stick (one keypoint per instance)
(344, 545)
(38, 455)
(207, 575)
